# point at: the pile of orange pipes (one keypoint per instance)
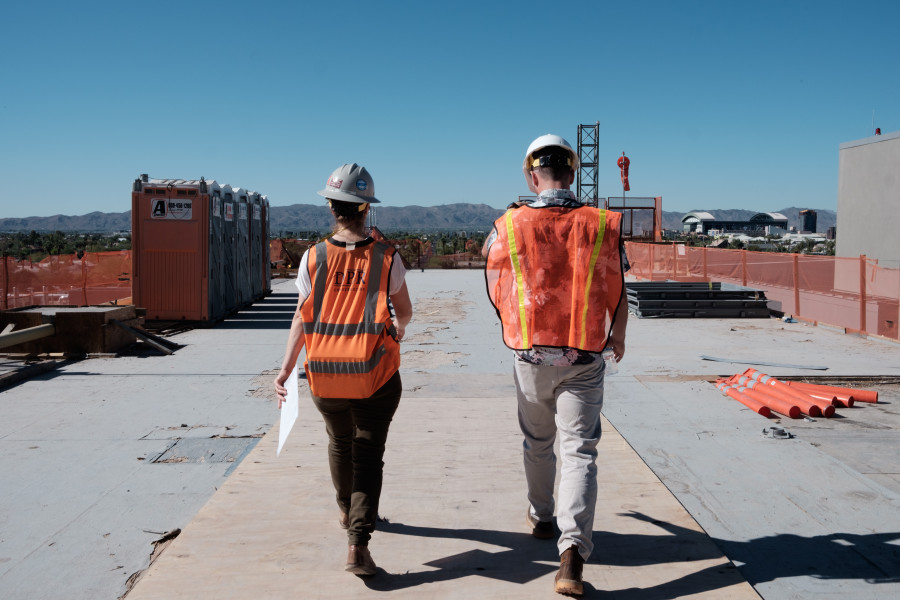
(765, 394)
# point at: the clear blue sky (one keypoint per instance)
(718, 104)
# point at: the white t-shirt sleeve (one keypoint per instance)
(398, 275)
(304, 285)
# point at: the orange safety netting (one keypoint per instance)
(853, 293)
(97, 278)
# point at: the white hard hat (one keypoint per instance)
(545, 141)
(350, 183)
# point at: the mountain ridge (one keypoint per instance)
(447, 217)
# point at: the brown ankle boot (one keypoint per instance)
(568, 579)
(359, 561)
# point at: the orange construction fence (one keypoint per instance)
(96, 278)
(855, 294)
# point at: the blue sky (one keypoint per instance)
(718, 104)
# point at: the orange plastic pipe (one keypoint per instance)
(838, 400)
(804, 403)
(861, 395)
(801, 399)
(816, 393)
(826, 406)
(777, 404)
(755, 405)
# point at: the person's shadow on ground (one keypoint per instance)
(872, 558)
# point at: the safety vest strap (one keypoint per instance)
(321, 279)
(372, 290)
(520, 281)
(598, 243)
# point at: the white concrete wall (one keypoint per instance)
(868, 215)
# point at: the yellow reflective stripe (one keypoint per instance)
(520, 282)
(601, 230)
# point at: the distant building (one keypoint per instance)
(702, 222)
(808, 221)
(868, 188)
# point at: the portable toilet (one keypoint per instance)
(242, 248)
(229, 235)
(217, 285)
(170, 220)
(267, 258)
(255, 248)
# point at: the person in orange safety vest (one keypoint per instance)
(352, 312)
(555, 274)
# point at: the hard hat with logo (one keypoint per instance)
(350, 183)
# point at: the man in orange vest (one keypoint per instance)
(555, 275)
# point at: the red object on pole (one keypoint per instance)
(623, 163)
(861, 395)
(757, 406)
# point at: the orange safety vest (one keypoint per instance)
(554, 274)
(351, 342)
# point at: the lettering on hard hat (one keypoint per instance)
(350, 277)
(361, 185)
(334, 182)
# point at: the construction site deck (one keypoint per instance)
(153, 475)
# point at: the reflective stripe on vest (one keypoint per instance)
(347, 368)
(601, 231)
(520, 282)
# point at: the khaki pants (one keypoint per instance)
(566, 400)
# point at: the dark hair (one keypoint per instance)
(347, 213)
(554, 163)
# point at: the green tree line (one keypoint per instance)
(36, 246)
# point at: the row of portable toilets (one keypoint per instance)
(200, 249)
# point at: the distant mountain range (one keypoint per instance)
(448, 217)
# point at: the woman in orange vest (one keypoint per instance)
(351, 314)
